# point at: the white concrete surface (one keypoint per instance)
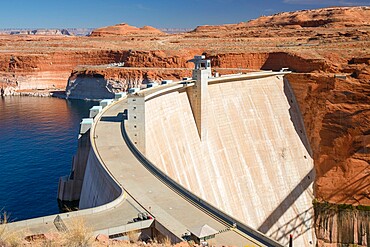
(254, 163)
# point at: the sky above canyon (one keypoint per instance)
(157, 13)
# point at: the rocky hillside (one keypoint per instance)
(326, 17)
(125, 29)
(48, 32)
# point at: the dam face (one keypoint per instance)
(253, 160)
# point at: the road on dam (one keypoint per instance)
(142, 191)
(167, 206)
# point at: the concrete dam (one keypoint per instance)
(229, 152)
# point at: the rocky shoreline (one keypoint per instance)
(32, 93)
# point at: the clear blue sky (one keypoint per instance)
(157, 13)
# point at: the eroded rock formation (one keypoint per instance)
(341, 225)
(125, 29)
(328, 17)
(99, 83)
(48, 32)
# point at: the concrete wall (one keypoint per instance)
(136, 121)
(254, 163)
(69, 187)
(98, 186)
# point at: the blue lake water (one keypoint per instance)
(38, 137)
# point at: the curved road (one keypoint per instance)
(143, 190)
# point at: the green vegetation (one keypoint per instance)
(327, 205)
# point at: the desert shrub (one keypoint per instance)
(77, 235)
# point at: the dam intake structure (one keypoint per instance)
(229, 152)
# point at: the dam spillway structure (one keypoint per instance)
(229, 152)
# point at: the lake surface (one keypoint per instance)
(38, 137)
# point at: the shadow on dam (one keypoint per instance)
(302, 220)
(301, 223)
(286, 204)
(116, 119)
(294, 111)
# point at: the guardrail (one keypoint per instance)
(145, 224)
(195, 200)
(253, 75)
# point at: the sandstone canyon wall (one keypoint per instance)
(47, 70)
(342, 225)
